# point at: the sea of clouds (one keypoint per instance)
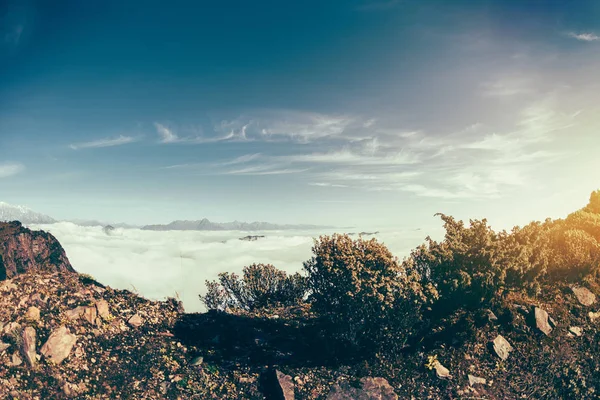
(175, 264)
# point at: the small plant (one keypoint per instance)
(432, 361)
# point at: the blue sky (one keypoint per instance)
(365, 113)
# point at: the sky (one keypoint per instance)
(364, 113)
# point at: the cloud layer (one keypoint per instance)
(10, 169)
(163, 264)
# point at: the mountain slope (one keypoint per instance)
(206, 225)
(10, 212)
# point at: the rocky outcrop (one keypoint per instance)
(23, 250)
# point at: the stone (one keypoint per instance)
(15, 360)
(28, 346)
(575, 330)
(11, 327)
(441, 371)
(89, 314)
(475, 380)
(501, 347)
(491, 316)
(103, 310)
(371, 389)
(286, 384)
(584, 296)
(33, 313)
(59, 345)
(541, 321)
(4, 346)
(594, 315)
(196, 361)
(75, 313)
(136, 321)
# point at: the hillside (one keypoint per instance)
(479, 315)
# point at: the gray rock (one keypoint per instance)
(371, 389)
(584, 296)
(501, 347)
(103, 310)
(197, 361)
(541, 321)
(136, 321)
(33, 313)
(441, 371)
(286, 384)
(59, 345)
(575, 330)
(28, 346)
(475, 380)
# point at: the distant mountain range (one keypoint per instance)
(9, 212)
(26, 216)
(206, 225)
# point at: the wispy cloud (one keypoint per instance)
(166, 134)
(584, 36)
(107, 142)
(10, 169)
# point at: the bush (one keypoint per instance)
(363, 294)
(262, 285)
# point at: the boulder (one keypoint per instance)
(59, 345)
(370, 389)
(584, 296)
(28, 346)
(501, 347)
(541, 321)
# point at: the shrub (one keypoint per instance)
(262, 285)
(468, 266)
(363, 294)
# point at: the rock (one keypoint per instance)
(23, 250)
(286, 384)
(15, 360)
(491, 316)
(11, 327)
(33, 313)
(103, 310)
(196, 361)
(541, 321)
(75, 313)
(501, 347)
(575, 330)
(522, 309)
(441, 371)
(89, 314)
(59, 345)
(475, 380)
(4, 346)
(584, 296)
(136, 321)
(371, 389)
(28, 346)
(594, 315)
(552, 322)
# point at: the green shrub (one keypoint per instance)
(262, 285)
(363, 294)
